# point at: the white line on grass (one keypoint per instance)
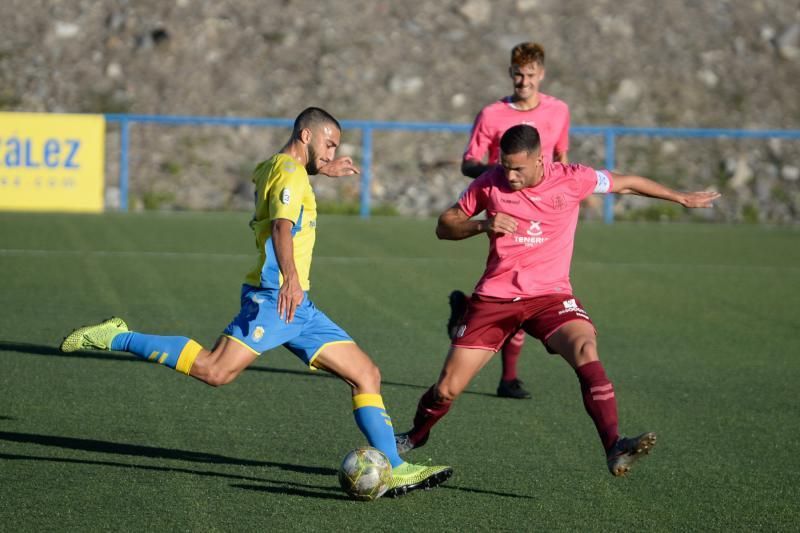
(19, 252)
(198, 255)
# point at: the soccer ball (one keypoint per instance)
(365, 473)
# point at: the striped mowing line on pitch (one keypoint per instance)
(196, 255)
(19, 252)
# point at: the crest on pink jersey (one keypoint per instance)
(536, 229)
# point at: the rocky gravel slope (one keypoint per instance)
(676, 63)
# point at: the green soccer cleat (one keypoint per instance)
(627, 451)
(408, 478)
(98, 336)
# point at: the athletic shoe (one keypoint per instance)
(405, 444)
(627, 451)
(458, 307)
(408, 478)
(98, 336)
(512, 389)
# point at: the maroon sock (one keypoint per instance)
(599, 400)
(429, 411)
(511, 351)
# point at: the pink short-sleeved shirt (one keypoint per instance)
(536, 259)
(550, 118)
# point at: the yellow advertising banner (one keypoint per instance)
(51, 162)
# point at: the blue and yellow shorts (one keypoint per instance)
(259, 327)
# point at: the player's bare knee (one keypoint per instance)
(217, 380)
(372, 375)
(446, 392)
(366, 378)
(586, 350)
(218, 377)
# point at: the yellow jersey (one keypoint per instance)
(283, 190)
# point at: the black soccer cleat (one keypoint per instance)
(512, 389)
(458, 308)
(627, 451)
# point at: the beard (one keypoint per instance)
(311, 166)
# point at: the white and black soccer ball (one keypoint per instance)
(365, 473)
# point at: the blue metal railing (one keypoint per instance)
(367, 127)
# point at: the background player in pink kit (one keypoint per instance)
(550, 116)
(531, 216)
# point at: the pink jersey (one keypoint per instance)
(550, 118)
(536, 259)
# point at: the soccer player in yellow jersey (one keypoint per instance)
(275, 307)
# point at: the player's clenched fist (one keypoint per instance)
(501, 224)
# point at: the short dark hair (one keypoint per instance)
(520, 138)
(311, 117)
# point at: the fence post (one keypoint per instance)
(608, 200)
(366, 170)
(123, 163)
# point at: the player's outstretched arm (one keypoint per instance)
(624, 184)
(341, 166)
(291, 293)
(454, 225)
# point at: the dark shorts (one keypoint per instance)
(488, 321)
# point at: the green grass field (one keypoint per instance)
(698, 330)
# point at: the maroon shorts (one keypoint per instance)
(488, 321)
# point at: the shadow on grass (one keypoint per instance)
(482, 491)
(39, 349)
(343, 497)
(153, 452)
(293, 492)
(281, 487)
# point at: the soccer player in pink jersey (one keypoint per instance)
(550, 116)
(531, 215)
